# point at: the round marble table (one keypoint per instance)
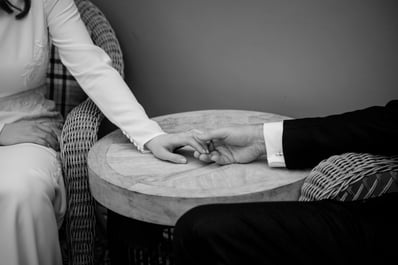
(145, 188)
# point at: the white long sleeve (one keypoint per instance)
(273, 143)
(1, 126)
(91, 67)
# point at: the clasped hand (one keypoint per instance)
(239, 144)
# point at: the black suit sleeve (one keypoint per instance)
(307, 141)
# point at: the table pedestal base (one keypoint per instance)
(133, 242)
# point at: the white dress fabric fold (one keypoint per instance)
(32, 205)
(32, 193)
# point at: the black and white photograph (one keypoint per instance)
(198, 132)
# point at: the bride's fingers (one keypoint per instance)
(165, 154)
(195, 144)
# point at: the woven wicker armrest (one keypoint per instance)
(101, 32)
(78, 135)
(351, 176)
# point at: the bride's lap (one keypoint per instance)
(30, 170)
(32, 203)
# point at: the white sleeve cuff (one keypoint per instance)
(141, 146)
(1, 126)
(273, 143)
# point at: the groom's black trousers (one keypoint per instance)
(321, 232)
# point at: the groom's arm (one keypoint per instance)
(305, 142)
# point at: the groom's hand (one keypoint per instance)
(239, 144)
(163, 146)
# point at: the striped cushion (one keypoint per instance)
(62, 86)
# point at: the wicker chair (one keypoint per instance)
(348, 176)
(351, 176)
(79, 133)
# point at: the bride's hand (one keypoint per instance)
(164, 145)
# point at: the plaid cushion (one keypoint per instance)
(62, 87)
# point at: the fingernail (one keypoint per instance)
(182, 160)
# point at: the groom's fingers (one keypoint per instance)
(202, 157)
(197, 145)
(214, 156)
(220, 159)
(213, 134)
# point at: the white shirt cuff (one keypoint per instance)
(273, 143)
(141, 146)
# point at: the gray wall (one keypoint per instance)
(297, 58)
